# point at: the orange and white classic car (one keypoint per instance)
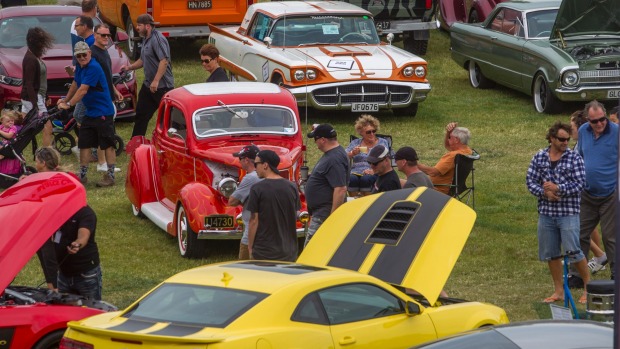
(327, 53)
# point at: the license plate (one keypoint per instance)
(199, 5)
(364, 107)
(382, 25)
(219, 221)
(613, 94)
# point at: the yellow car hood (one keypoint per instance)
(407, 237)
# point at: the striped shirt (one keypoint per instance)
(569, 175)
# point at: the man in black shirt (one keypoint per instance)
(273, 203)
(78, 255)
(379, 160)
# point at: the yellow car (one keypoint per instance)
(349, 288)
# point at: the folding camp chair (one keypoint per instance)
(462, 188)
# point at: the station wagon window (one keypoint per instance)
(349, 303)
(244, 119)
(204, 306)
(260, 27)
(508, 21)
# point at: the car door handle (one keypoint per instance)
(493, 37)
(347, 340)
(160, 152)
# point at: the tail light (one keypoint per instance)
(250, 2)
(149, 7)
(429, 4)
(67, 343)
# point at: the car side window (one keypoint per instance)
(177, 121)
(310, 310)
(260, 26)
(357, 302)
(507, 21)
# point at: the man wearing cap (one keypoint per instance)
(273, 202)
(97, 130)
(407, 163)
(326, 188)
(158, 79)
(379, 160)
(240, 196)
(455, 141)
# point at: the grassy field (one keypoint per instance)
(499, 263)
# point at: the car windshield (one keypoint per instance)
(13, 30)
(540, 23)
(194, 305)
(312, 30)
(244, 119)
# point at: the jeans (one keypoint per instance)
(315, 223)
(557, 232)
(87, 284)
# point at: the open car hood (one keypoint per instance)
(407, 237)
(587, 17)
(30, 212)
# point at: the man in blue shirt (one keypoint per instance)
(598, 145)
(97, 130)
(556, 176)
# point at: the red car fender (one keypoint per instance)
(33, 323)
(140, 186)
(200, 200)
(484, 8)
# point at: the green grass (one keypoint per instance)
(499, 263)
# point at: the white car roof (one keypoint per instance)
(217, 88)
(280, 8)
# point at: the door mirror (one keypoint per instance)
(412, 309)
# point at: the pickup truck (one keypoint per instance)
(177, 19)
(409, 21)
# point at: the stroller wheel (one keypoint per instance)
(63, 142)
(119, 145)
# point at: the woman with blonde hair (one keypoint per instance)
(362, 176)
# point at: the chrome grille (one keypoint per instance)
(599, 76)
(369, 93)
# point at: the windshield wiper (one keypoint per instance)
(314, 44)
(222, 104)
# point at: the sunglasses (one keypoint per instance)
(596, 121)
(562, 139)
(206, 61)
(80, 55)
(375, 163)
(371, 132)
(105, 35)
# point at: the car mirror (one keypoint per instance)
(172, 133)
(267, 40)
(412, 309)
(390, 38)
(121, 36)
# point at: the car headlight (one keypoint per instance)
(7, 80)
(303, 217)
(311, 74)
(570, 78)
(408, 71)
(227, 186)
(299, 75)
(420, 71)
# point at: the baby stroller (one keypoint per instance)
(13, 165)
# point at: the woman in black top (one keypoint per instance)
(209, 56)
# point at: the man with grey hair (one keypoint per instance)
(455, 141)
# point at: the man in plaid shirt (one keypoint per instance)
(557, 176)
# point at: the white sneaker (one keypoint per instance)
(76, 152)
(104, 168)
(595, 266)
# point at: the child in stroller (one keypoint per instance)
(12, 164)
(7, 127)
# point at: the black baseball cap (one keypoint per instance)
(249, 151)
(323, 131)
(406, 153)
(377, 153)
(271, 158)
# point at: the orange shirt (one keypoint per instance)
(445, 166)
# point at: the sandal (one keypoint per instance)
(584, 298)
(554, 298)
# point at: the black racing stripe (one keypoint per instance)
(354, 249)
(394, 261)
(132, 326)
(177, 331)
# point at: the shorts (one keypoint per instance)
(313, 226)
(27, 106)
(96, 132)
(79, 112)
(557, 232)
